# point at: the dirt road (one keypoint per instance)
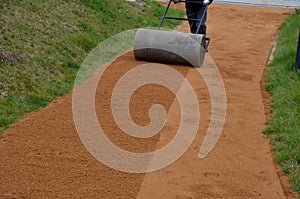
(43, 157)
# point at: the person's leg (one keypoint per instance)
(199, 15)
(192, 15)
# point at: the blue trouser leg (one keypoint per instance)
(197, 14)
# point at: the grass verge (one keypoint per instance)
(42, 44)
(283, 82)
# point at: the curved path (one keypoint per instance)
(43, 157)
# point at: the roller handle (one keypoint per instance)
(207, 40)
(179, 18)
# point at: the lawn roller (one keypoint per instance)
(172, 47)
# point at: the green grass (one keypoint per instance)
(49, 40)
(283, 82)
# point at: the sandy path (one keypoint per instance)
(241, 164)
(43, 157)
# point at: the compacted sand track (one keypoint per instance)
(43, 157)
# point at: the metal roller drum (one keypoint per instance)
(169, 47)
